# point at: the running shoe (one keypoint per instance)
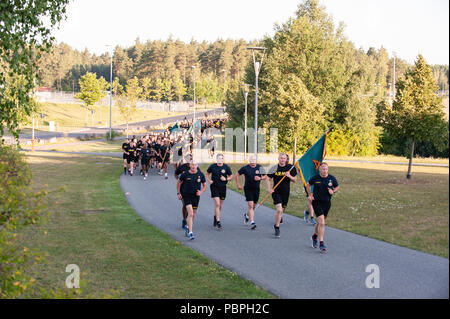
(305, 216)
(313, 221)
(245, 219)
(277, 231)
(219, 225)
(314, 242)
(252, 226)
(323, 248)
(191, 236)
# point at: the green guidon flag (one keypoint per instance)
(308, 164)
(174, 127)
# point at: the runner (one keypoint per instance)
(190, 187)
(125, 147)
(153, 152)
(139, 145)
(325, 186)
(212, 143)
(165, 151)
(254, 173)
(182, 168)
(309, 212)
(218, 176)
(280, 195)
(131, 157)
(145, 159)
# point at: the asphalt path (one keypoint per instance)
(288, 266)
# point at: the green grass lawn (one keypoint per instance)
(116, 249)
(377, 201)
(70, 116)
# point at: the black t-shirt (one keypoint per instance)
(182, 168)
(250, 173)
(277, 173)
(191, 182)
(321, 186)
(163, 153)
(145, 153)
(132, 150)
(125, 147)
(218, 171)
(139, 145)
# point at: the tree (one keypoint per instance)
(92, 90)
(313, 56)
(417, 110)
(128, 102)
(179, 89)
(24, 36)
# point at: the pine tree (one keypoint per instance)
(417, 110)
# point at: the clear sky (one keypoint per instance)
(407, 27)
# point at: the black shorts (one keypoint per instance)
(191, 200)
(218, 191)
(321, 208)
(158, 159)
(131, 159)
(145, 161)
(251, 194)
(124, 156)
(280, 198)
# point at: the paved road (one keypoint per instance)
(289, 267)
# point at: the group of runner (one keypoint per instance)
(156, 150)
(192, 184)
(149, 151)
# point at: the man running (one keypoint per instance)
(190, 187)
(254, 173)
(182, 168)
(280, 195)
(125, 147)
(145, 159)
(325, 186)
(131, 157)
(165, 151)
(218, 176)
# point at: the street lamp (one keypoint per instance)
(245, 89)
(257, 66)
(393, 79)
(193, 122)
(110, 94)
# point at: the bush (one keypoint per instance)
(114, 134)
(20, 207)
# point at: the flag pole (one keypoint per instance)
(303, 179)
(274, 188)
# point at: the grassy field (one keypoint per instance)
(70, 116)
(114, 248)
(377, 201)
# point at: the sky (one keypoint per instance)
(406, 27)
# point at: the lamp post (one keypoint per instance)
(110, 94)
(393, 81)
(257, 67)
(245, 88)
(193, 122)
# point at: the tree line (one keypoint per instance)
(165, 69)
(314, 78)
